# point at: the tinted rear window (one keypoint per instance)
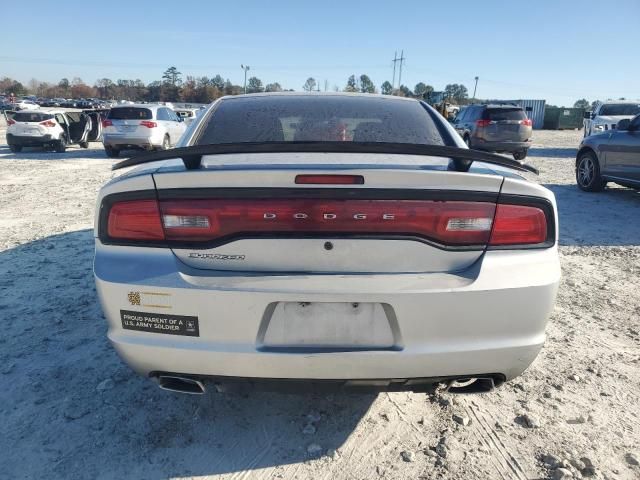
(502, 114)
(620, 109)
(320, 119)
(130, 113)
(32, 117)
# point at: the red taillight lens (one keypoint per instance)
(135, 220)
(483, 123)
(48, 123)
(107, 123)
(148, 124)
(449, 223)
(10, 122)
(518, 225)
(329, 179)
(526, 122)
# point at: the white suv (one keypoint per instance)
(55, 129)
(141, 126)
(606, 115)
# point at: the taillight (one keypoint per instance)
(518, 225)
(107, 123)
(48, 123)
(135, 220)
(148, 124)
(483, 123)
(10, 122)
(323, 179)
(449, 223)
(473, 224)
(526, 122)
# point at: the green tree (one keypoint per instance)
(218, 82)
(352, 85)
(366, 85)
(254, 85)
(582, 103)
(273, 87)
(422, 90)
(309, 85)
(172, 76)
(458, 93)
(386, 88)
(406, 91)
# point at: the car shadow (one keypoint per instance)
(553, 152)
(72, 409)
(605, 218)
(38, 153)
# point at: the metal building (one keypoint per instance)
(533, 108)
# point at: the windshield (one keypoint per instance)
(620, 109)
(322, 118)
(32, 117)
(130, 113)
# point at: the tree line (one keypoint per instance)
(173, 87)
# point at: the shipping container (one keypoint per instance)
(563, 118)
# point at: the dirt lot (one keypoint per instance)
(70, 408)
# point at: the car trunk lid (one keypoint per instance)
(397, 216)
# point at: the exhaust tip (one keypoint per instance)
(181, 384)
(471, 385)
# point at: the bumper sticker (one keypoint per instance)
(160, 323)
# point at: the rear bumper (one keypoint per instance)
(480, 144)
(125, 141)
(29, 141)
(488, 319)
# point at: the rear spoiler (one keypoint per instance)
(462, 157)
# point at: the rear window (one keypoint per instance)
(130, 113)
(32, 117)
(620, 109)
(320, 119)
(502, 114)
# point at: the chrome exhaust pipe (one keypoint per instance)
(470, 385)
(181, 384)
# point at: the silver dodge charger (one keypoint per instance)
(325, 241)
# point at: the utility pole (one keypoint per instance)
(395, 59)
(326, 85)
(245, 68)
(401, 60)
(475, 87)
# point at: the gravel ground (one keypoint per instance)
(71, 409)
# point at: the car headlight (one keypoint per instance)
(599, 128)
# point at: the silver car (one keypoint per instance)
(141, 127)
(325, 240)
(612, 156)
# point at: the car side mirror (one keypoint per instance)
(623, 124)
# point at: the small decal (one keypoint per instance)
(149, 299)
(134, 298)
(160, 323)
(215, 256)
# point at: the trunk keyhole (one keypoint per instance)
(328, 246)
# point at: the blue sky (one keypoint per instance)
(556, 50)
